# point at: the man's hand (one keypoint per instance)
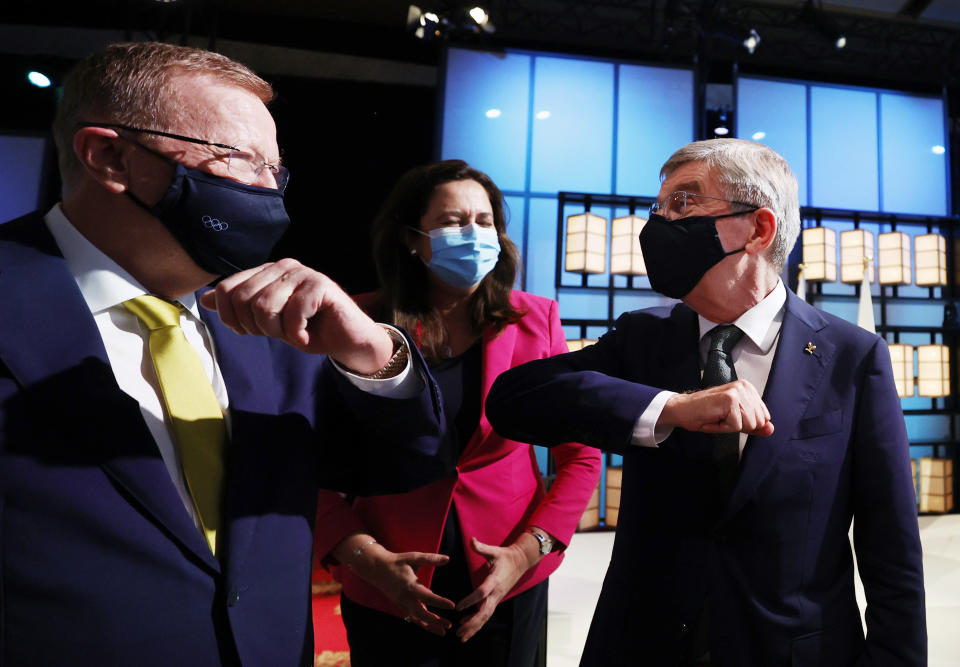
(303, 308)
(728, 408)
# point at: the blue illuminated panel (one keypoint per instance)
(593, 123)
(654, 118)
(572, 126)
(843, 148)
(541, 251)
(914, 154)
(486, 102)
(775, 113)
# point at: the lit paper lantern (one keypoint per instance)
(856, 252)
(893, 258)
(933, 370)
(586, 243)
(930, 258)
(901, 356)
(626, 258)
(819, 254)
(579, 343)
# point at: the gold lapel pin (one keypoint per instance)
(810, 348)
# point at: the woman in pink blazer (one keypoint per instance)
(455, 573)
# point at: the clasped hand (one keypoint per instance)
(395, 575)
(303, 308)
(735, 407)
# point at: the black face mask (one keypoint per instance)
(224, 225)
(678, 252)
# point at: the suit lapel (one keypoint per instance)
(677, 357)
(793, 381)
(53, 348)
(246, 365)
(496, 357)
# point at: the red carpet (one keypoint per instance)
(330, 637)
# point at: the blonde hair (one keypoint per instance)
(131, 84)
(754, 173)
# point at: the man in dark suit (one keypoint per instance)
(121, 544)
(748, 449)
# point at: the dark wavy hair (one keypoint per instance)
(404, 295)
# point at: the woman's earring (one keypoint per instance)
(413, 251)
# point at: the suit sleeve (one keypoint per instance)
(885, 531)
(579, 396)
(373, 445)
(578, 468)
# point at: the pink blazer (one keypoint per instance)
(498, 489)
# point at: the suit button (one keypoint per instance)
(233, 597)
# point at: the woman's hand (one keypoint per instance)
(506, 565)
(395, 575)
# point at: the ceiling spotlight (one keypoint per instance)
(757, 136)
(721, 130)
(938, 150)
(824, 24)
(479, 15)
(493, 113)
(752, 41)
(423, 25)
(39, 79)
(481, 18)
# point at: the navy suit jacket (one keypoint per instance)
(773, 565)
(101, 564)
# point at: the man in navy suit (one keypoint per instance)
(748, 450)
(172, 180)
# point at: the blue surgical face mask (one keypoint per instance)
(462, 256)
(224, 225)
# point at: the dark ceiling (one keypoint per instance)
(902, 43)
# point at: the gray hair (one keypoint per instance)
(131, 84)
(750, 172)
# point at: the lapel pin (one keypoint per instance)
(810, 348)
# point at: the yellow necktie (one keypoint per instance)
(192, 408)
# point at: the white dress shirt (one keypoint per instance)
(105, 285)
(752, 359)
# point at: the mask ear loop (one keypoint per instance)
(731, 215)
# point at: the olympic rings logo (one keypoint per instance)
(214, 224)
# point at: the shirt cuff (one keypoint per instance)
(405, 384)
(646, 433)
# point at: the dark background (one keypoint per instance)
(348, 137)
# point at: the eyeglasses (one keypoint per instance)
(242, 165)
(676, 204)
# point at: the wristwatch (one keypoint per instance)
(546, 542)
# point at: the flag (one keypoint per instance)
(865, 319)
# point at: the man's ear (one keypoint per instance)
(764, 231)
(103, 155)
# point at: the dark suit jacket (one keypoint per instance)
(101, 564)
(773, 564)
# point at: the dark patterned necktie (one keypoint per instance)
(719, 370)
(726, 451)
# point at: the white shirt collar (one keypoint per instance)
(103, 283)
(761, 324)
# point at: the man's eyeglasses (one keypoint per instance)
(242, 165)
(676, 204)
